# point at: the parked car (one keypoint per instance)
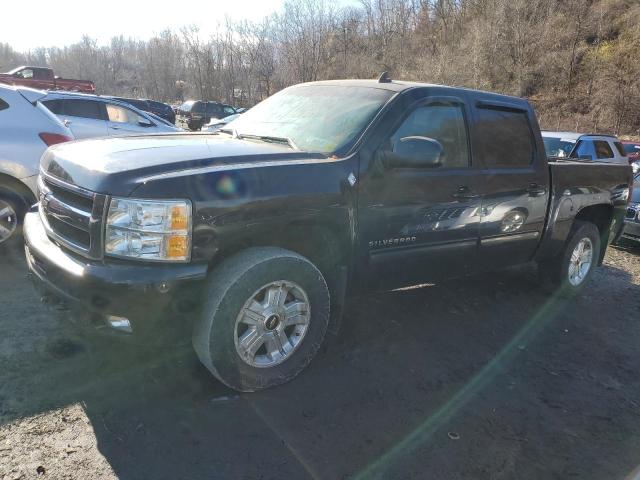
(216, 124)
(151, 106)
(265, 229)
(632, 150)
(95, 116)
(603, 148)
(631, 230)
(193, 114)
(26, 130)
(43, 78)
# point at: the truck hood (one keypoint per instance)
(116, 166)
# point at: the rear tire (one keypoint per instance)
(571, 269)
(265, 318)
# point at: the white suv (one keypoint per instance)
(95, 116)
(27, 128)
(601, 148)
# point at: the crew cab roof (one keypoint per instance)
(401, 85)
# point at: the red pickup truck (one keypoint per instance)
(44, 79)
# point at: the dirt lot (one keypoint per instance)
(485, 378)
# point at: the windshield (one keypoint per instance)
(316, 118)
(558, 147)
(631, 148)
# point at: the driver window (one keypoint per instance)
(443, 122)
(26, 73)
(122, 115)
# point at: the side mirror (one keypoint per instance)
(586, 157)
(143, 122)
(415, 152)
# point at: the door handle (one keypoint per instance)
(536, 190)
(465, 192)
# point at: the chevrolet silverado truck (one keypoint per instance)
(322, 191)
(43, 78)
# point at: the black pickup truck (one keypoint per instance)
(324, 190)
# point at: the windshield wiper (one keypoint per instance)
(263, 138)
(231, 131)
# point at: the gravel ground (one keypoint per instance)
(488, 377)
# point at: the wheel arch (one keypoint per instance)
(319, 243)
(601, 215)
(17, 186)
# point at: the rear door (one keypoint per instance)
(85, 118)
(513, 182)
(418, 224)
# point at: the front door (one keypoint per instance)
(124, 121)
(421, 222)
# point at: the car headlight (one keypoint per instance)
(149, 229)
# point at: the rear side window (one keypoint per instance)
(3, 105)
(504, 138)
(214, 110)
(620, 149)
(55, 106)
(83, 109)
(603, 150)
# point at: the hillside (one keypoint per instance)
(577, 60)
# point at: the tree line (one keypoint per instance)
(578, 61)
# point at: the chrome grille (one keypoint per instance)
(632, 211)
(72, 216)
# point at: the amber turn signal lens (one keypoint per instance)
(177, 246)
(179, 219)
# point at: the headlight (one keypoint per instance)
(149, 229)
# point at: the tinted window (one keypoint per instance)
(603, 150)
(3, 105)
(197, 107)
(83, 109)
(442, 122)
(620, 149)
(159, 106)
(504, 138)
(119, 114)
(40, 74)
(54, 106)
(141, 104)
(631, 148)
(228, 110)
(214, 110)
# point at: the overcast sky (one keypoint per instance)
(49, 23)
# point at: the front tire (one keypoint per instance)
(12, 210)
(265, 318)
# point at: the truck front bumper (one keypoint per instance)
(140, 293)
